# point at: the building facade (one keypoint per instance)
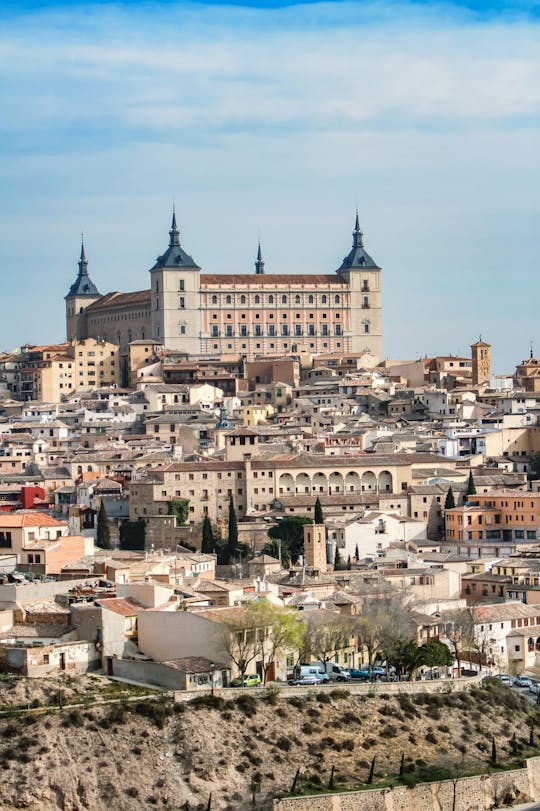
(253, 314)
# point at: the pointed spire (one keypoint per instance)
(174, 233)
(358, 237)
(83, 264)
(259, 264)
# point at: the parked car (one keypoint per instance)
(308, 679)
(534, 687)
(504, 678)
(250, 680)
(522, 681)
(333, 671)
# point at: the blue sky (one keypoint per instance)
(278, 119)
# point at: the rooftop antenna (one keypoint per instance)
(532, 354)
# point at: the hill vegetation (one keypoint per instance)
(144, 751)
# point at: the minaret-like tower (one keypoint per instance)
(176, 308)
(315, 547)
(363, 276)
(259, 263)
(481, 362)
(82, 293)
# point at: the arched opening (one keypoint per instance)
(385, 482)
(303, 483)
(319, 483)
(335, 482)
(352, 482)
(369, 482)
(286, 484)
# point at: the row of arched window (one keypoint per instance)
(271, 299)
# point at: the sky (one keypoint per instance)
(278, 120)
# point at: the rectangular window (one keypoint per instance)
(271, 330)
(181, 303)
(180, 284)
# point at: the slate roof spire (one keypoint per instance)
(175, 256)
(358, 258)
(83, 262)
(83, 284)
(259, 263)
(174, 233)
(358, 237)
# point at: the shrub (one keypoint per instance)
(272, 694)
(323, 697)
(349, 718)
(307, 729)
(208, 701)
(348, 744)
(443, 728)
(339, 694)
(412, 738)
(389, 731)
(284, 743)
(296, 701)
(431, 737)
(247, 704)
(132, 791)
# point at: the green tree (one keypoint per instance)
(436, 654)
(133, 534)
(349, 564)
(324, 637)
(179, 507)
(228, 551)
(356, 553)
(450, 501)
(103, 538)
(338, 561)
(290, 531)
(471, 488)
(207, 543)
(534, 465)
(279, 631)
(319, 517)
(275, 549)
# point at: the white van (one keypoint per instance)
(315, 670)
(333, 671)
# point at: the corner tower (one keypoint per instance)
(81, 294)
(175, 297)
(363, 276)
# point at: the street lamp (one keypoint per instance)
(212, 667)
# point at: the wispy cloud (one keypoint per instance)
(280, 119)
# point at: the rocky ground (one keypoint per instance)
(143, 753)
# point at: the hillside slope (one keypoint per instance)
(146, 754)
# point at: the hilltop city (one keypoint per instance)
(219, 483)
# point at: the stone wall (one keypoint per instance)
(467, 794)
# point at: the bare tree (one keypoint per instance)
(237, 638)
(459, 631)
(326, 634)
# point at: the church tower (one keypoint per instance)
(315, 547)
(481, 363)
(363, 276)
(175, 296)
(82, 293)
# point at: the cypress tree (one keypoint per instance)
(471, 489)
(450, 502)
(493, 751)
(103, 538)
(338, 563)
(207, 544)
(356, 553)
(232, 535)
(319, 517)
(349, 564)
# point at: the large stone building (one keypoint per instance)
(251, 314)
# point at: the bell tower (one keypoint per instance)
(315, 546)
(481, 362)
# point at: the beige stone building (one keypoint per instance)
(252, 314)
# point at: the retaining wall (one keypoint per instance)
(466, 794)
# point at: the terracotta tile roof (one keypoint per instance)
(120, 605)
(112, 301)
(272, 279)
(500, 612)
(30, 520)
